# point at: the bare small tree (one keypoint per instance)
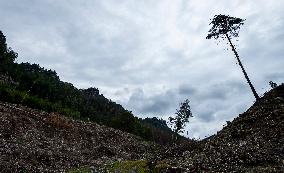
(225, 26)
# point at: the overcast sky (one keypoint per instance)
(150, 55)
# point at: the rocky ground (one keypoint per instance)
(252, 142)
(35, 141)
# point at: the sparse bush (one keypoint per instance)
(272, 84)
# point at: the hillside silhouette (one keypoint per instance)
(47, 125)
(37, 141)
(252, 142)
(40, 88)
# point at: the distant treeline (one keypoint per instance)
(37, 87)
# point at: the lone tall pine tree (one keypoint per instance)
(225, 26)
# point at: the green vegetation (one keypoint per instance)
(12, 95)
(162, 134)
(181, 118)
(40, 88)
(139, 166)
(80, 170)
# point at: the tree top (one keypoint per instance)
(224, 24)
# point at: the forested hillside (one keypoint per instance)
(40, 88)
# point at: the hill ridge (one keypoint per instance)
(40, 88)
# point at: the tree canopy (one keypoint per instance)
(224, 24)
(181, 117)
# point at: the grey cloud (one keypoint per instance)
(206, 116)
(147, 45)
(275, 77)
(122, 92)
(208, 102)
(152, 105)
(156, 107)
(186, 90)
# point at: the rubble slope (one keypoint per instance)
(36, 141)
(252, 142)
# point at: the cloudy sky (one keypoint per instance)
(150, 55)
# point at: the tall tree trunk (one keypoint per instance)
(242, 67)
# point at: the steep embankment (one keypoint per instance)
(252, 142)
(35, 141)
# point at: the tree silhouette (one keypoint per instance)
(225, 26)
(181, 117)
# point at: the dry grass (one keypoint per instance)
(59, 121)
